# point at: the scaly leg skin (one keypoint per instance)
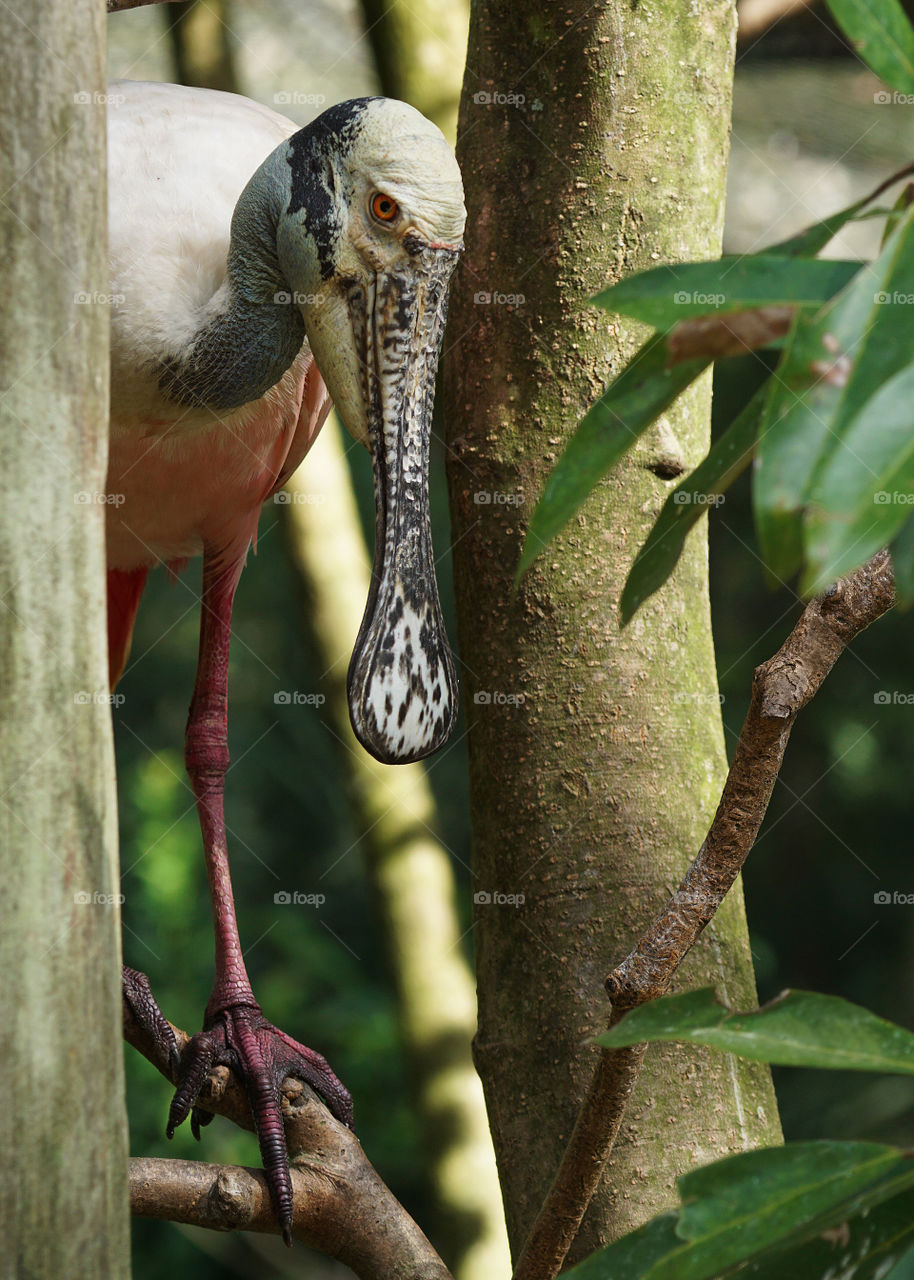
(137, 994)
(235, 1032)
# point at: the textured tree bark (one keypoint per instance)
(593, 142)
(63, 1185)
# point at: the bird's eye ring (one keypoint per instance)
(384, 208)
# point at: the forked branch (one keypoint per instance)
(781, 688)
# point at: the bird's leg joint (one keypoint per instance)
(206, 753)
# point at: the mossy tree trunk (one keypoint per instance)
(593, 142)
(64, 1175)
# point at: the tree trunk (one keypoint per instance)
(64, 1179)
(593, 143)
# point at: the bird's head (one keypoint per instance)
(368, 243)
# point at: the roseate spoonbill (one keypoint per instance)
(262, 270)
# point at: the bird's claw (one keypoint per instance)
(240, 1037)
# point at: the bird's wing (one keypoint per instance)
(179, 159)
(124, 591)
(315, 405)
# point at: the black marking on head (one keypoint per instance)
(312, 152)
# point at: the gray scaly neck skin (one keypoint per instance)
(247, 339)
(251, 330)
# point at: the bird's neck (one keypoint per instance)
(251, 330)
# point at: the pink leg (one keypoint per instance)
(235, 1032)
(206, 758)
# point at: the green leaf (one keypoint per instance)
(807, 243)
(776, 1214)
(728, 458)
(641, 392)
(665, 295)
(865, 492)
(632, 1256)
(862, 1245)
(724, 1219)
(833, 362)
(882, 35)
(798, 1029)
(903, 563)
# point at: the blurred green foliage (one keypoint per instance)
(837, 831)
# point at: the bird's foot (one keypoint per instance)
(142, 1004)
(240, 1037)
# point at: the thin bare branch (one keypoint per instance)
(342, 1207)
(781, 688)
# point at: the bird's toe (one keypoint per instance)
(263, 1056)
(138, 997)
(200, 1054)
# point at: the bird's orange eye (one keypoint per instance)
(384, 208)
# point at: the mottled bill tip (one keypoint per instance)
(402, 683)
